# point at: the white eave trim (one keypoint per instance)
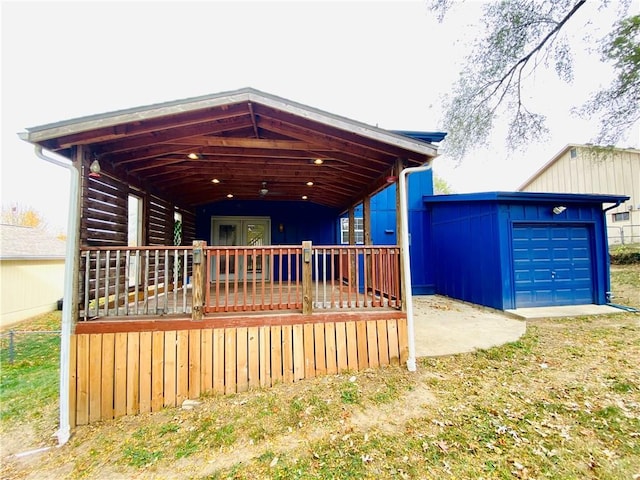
(40, 134)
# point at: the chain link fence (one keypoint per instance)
(28, 346)
(623, 235)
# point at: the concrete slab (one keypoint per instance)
(563, 311)
(444, 326)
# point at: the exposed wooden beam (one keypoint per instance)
(257, 143)
(168, 135)
(253, 120)
(323, 139)
(112, 134)
(348, 137)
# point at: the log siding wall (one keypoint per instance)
(126, 373)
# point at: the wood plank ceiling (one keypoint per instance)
(241, 147)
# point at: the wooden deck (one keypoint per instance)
(128, 367)
(155, 328)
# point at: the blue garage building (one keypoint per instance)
(517, 249)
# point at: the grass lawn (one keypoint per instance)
(561, 402)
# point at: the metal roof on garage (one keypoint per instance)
(528, 197)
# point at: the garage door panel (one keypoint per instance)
(538, 233)
(523, 276)
(541, 275)
(559, 254)
(542, 296)
(560, 233)
(521, 254)
(552, 265)
(581, 255)
(540, 254)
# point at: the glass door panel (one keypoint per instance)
(256, 233)
(240, 231)
(226, 233)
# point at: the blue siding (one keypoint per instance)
(301, 220)
(465, 257)
(384, 225)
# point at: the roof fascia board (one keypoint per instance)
(546, 166)
(70, 127)
(47, 132)
(527, 197)
(560, 154)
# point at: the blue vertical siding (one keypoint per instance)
(465, 256)
(301, 220)
(384, 226)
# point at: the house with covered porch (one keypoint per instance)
(204, 254)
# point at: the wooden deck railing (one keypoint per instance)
(357, 277)
(145, 281)
(133, 281)
(253, 279)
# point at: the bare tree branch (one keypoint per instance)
(521, 36)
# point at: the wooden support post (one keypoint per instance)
(352, 241)
(352, 226)
(199, 264)
(366, 225)
(307, 290)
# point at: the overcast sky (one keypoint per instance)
(382, 63)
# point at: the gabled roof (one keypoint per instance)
(561, 154)
(247, 140)
(28, 243)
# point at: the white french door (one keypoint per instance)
(235, 232)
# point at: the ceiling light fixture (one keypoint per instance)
(193, 156)
(215, 180)
(318, 161)
(309, 184)
(94, 169)
(304, 197)
(229, 195)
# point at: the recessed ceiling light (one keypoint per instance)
(215, 180)
(304, 197)
(318, 161)
(309, 184)
(193, 156)
(229, 195)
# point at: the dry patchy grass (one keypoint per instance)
(561, 402)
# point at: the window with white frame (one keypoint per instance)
(134, 238)
(344, 230)
(620, 217)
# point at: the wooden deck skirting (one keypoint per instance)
(116, 369)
